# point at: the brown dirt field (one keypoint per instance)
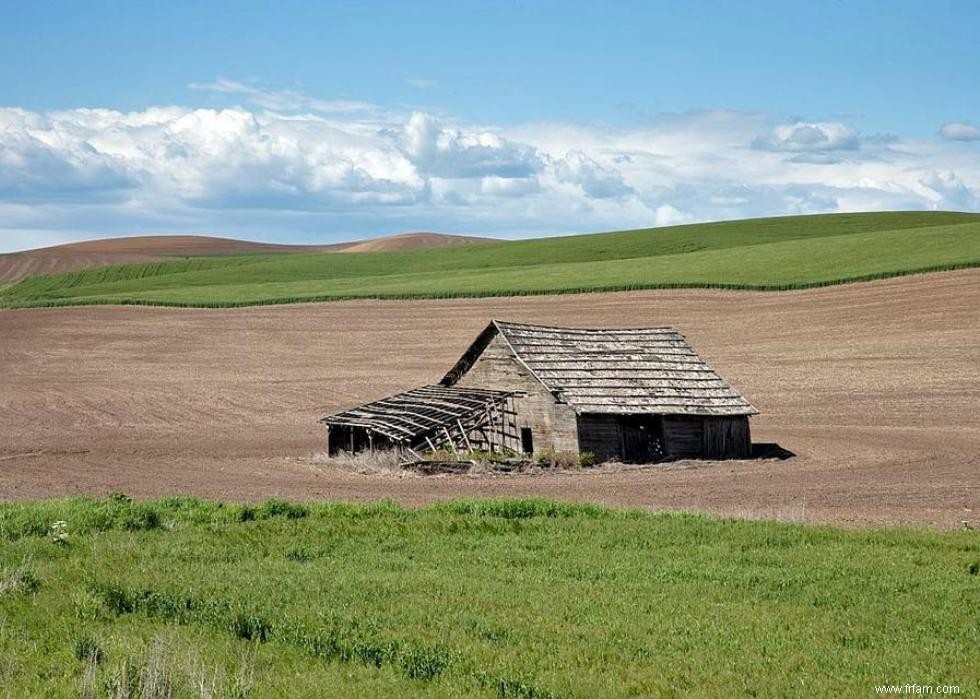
(411, 241)
(120, 251)
(875, 386)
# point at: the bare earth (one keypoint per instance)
(121, 251)
(876, 388)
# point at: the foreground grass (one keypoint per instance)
(777, 253)
(485, 598)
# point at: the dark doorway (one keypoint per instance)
(527, 440)
(641, 438)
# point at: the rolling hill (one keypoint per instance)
(151, 248)
(773, 253)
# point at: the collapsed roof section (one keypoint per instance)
(428, 412)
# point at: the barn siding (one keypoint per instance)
(707, 437)
(683, 436)
(613, 386)
(552, 424)
(599, 434)
(727, 438)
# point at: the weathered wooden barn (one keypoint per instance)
(636, 395)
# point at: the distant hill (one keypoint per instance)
(119, 251)
(791, 252)
(409, 241)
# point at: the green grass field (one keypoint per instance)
(472, 598)
(776, 253)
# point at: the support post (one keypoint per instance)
(466, 439)
(490, 432)
(452, 444)
(500, 425)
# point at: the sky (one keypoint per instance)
(320, 122)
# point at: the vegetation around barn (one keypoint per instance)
(513, 598)
(774, 253)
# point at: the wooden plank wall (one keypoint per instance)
(600, 435)
(683, 436)
(726, 438)
(553, 424)
(707, 437)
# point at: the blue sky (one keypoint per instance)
(326, 121)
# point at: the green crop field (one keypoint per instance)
(776, 253)
(511, 598)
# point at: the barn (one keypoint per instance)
(635, 395)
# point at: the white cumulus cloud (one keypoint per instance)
(803, 137)
(960, 131)
(595, 180)
(950, 191)
(291, 167)
(454, 153)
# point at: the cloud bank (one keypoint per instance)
(289, 167)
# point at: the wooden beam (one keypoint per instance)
(490, 431)
(466, 439)
(449, 437)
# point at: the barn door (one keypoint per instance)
(634, 442)
(527, 440)
(640, 439)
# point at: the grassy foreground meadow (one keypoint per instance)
(507, 598)
(775, 253)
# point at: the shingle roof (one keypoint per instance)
(410, 416)
(635, 370)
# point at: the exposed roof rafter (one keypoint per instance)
(410, 416)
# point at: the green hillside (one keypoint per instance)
(493, 598)
(773, 253)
